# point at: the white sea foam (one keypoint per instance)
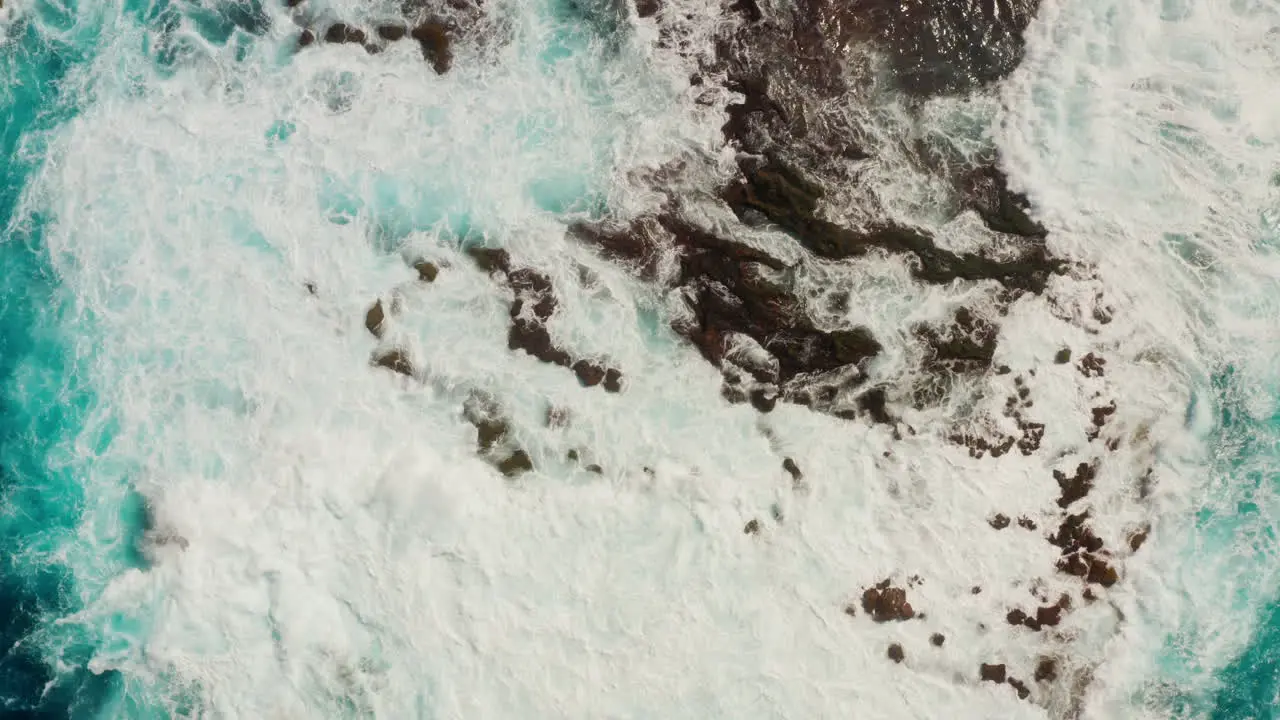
(346, 552)
(1147, 132)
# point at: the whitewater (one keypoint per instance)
(215, 505)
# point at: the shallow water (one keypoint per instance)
(219, 509)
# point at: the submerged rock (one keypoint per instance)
(395, 360)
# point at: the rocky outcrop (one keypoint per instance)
(535, 302)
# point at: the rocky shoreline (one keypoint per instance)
(784, 70)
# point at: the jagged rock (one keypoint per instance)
(992, 673)
(885, 603)
(937, 639)
(999, 521)
(437, 49)
(1138, 537)
(374, 318)
(1077, 486)
(1026, 523)
(986, 190)
(395, 360)
(1093, 365)
(1021, 688)
(752, 527)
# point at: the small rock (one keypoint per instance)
(648, 8)
(310, 286)
(490, 432)
(999, 522)
(306, 39)
(392, 33)
(396, 361)
(992, 673)
(572, 455)
(516, 464)
(490, 260)
(427, 271)
(752, 527)
(763, 400)
(374, 318)
(612, 380)
(937, 639)
(790, 466)
(1046, 670)
(975, 590)
(1138, 537)
(594, 468)
(1063, 357)
(850, 610)
(895, 653)
(1020, 687)
(1026, 523)
(588, 373)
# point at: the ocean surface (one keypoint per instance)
(212, 506)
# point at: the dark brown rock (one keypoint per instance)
(392, 33)
(885, 603)
(612, 380)
(517, 463)
(1046, 670)
(490, 260)
(1093, 365)
(589, 373)
(427, 271)
(792, 469)
(986, 190)
(1026, 523)
(1021, 688)
(1138, 537)
(999, 521)
(895, 653)
(1077, 486)
(396, 361)
(992, 673)
(342, 33)
(752, 527)
(306, 39)
(437, 49)
(374, 318)
(648, 8)
(937, 639)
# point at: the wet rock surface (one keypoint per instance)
(885, 603)
(534, 304)
(494, 440)
(432, 24)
